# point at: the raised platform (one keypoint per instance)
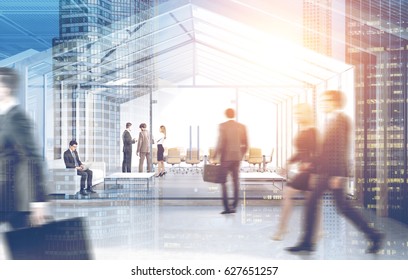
(128, 180)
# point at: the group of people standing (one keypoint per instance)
(144, 143)
(323, 165)
(72, 160)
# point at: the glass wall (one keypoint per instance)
(180, 65)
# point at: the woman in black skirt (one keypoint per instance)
(160, 151)
(305, 144)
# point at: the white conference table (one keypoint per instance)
(252, 178)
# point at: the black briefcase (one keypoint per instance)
(214, 174)
(58, 240)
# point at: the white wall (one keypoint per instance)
(180, 108)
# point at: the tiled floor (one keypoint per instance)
(200, 232)
(186, 227)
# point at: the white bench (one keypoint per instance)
(64, 180)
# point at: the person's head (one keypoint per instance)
(128, 125)
(142, 126)
(163, 129)
(73, 144)
(303, 113)
(332, 100)
(9, 80)
(230, 113)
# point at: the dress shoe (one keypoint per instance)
(83, 192)
(228, 212)
(376, 243)
(301, 248)
(90, 190)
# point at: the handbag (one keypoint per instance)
(57, 240)
(214, 173)
(300, 181)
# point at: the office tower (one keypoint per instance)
(87, 59)
(377, 47)
(317, 22)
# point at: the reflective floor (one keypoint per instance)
(200, 232)
(137, 225)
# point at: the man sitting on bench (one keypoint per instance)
(72, 160)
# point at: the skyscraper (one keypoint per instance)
(86, 60)
(317, 22)
(377, 33)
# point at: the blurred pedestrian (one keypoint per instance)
(23, 193)
(305, 143)
(332, 170)
(231, 148)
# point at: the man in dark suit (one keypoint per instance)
(72, 160)
(231, 148)
(23, 191)
(127, 148)
(332, 169)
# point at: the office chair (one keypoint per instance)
(193, 158)
(173, 158)
(255, 157)
(266, 161)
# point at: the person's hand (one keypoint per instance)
(38, 213)
(336, 182)
(305, 166)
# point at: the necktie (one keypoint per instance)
(76, 162)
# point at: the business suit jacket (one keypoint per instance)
(127, 142)
(333, 159)
(22, 172)
(232, 141)
(144, 142)
(69, 159)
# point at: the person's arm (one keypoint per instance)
(219, 147)
(302, 147)
(68, 161)
(78, 159)
(341, 144)
(127, 139)
(244, 143)
(139, 143)
(37, 186)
